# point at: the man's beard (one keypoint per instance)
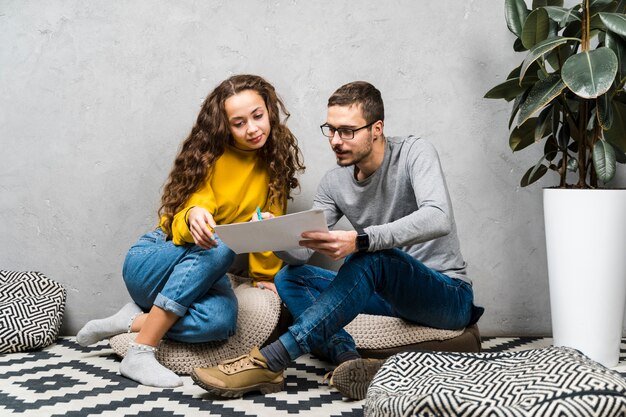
(356, 157)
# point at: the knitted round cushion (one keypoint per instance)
(31, 311)
(381, 332)
(257, 317)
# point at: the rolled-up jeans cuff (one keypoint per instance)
(169, 305)
(292, 346)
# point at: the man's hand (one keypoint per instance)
(335, 244)
(199, 222)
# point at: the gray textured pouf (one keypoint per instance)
(532, 383)
(31, 311)
(258, 314)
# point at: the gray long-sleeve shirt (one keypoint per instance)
(404, 204)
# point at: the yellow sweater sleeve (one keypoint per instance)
(205, 198)
(235, 186)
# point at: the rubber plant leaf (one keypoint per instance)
(590, 74)
(562, 15)
(523, 136)
(542, 93)
(615, 22)
(536, 28)
(541, 49)
(617, 45)
(604, 111)
(515, 12)
(604, 161)
(617, 133)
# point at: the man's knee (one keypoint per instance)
(289, 274)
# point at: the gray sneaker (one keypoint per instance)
(352, 378)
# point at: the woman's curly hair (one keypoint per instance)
(209, 137)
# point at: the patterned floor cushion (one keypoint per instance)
(554, 381)
(31, 311)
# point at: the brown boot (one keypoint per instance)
(352, 378)
(235, 377)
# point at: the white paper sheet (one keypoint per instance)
(278, 233)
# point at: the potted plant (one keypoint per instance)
(568, 97)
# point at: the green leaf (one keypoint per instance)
(551, 148)
(621, 6)
(605, 111)
(563, 16)
(573, 29)
(617, 133)
(515, 12)
(518, 102)
(617, 45)
(595, 4)
(518, 47)
(543, 122)
(544, 3)
(620, 156)
(614, 22)
(608, 7)
(533, 174)
(542, 93)
(540, 49)
(572, 164)
(507, 90)
(590, 74)
(604, 161)
(523, 136)
(536, 28)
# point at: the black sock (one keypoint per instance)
(277, 356)
(348, 356)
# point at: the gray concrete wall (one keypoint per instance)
(95, 98)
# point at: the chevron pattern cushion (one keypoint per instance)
(31, 311)
(553, 381)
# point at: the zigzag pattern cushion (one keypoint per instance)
(31, 311)
(554, 381)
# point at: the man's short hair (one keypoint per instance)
(363, 94)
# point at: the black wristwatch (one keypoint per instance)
(362, 242)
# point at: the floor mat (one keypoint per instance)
(66, 379)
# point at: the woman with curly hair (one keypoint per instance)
(239, 155)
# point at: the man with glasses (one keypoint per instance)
(403, 259)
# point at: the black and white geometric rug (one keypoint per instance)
(66, 379)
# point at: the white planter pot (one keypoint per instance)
(586, 247)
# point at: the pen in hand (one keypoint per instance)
(258, 213)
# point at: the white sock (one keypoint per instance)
(140, 364)
(97, 330)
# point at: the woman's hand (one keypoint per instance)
(264, 215)
(267, 285)
(201, 225)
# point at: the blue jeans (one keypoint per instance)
(186, 280)
(388, 282)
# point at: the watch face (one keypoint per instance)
(362, 242)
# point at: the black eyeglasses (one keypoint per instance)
(345, 133)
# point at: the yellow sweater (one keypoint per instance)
(237, 184)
